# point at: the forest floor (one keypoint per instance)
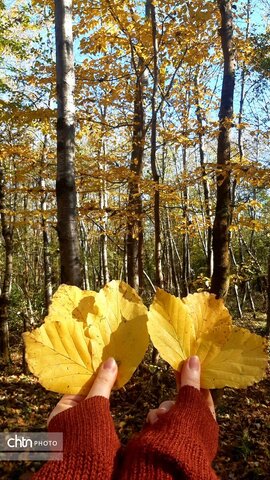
(243, 415)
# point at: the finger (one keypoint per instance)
(67, 401)
(70, 400)
(191, 372)
(209, 401)
(154, 414)
(166, 406)
(105, 379)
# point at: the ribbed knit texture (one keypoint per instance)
(180, 445)
(90, 443)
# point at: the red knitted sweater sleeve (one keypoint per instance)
(90, 443)
(181, 444)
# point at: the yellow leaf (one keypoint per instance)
(201, 325)
(211, 320)
(59, 354)
(81, 331)
(70, 301)
(121, 323)
(170, 336)
(241, 362)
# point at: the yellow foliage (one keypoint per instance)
(59, 354)
(84, 328)
(71, 302)
(201, 325)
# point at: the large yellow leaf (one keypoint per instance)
(82, 330)
(59, 354)
(201, 325)
(70, 301)
(241, 362)
(121, 326)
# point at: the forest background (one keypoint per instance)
(155, 171)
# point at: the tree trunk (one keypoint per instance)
(241, 101)
(220, 278)
(71, 272)
(235, 286)
(7, 232)
(134, 224)
(268, 300)
(171, 258)
(45, 235)
(85, 255)
(206, 192)
(46, 264)
(103, 239)
(150, 9)
(185, 236)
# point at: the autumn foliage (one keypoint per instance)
(84, 328)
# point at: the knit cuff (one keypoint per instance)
(182, 440)
(198, 418)
(188, 423)
(87, 427)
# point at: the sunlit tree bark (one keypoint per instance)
(103, 239)
(185, 237)
(71, 272)
(172, 260)
(220, 278)
(134, 222)
(150, 11)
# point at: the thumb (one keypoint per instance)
(105, 379)
(191, 372)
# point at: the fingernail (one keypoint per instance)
(109, 364)
(162, 410)
(194, 363)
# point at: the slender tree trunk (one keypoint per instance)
(220, 278)
(45, 234)
(67, 228)
(251, 301)
(46, 264)
(243, 85)
(85, 255)
(125, 262)
(134, 224)
(235, 285)
(241, 102)
(171, 257)
(7, 233)
(185, 236)
(205, 183)
(104, 274)
(103, 239)
(150, 9)
(268, 299)
(26, 274)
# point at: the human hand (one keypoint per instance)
(189, 375)
(102, 386)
